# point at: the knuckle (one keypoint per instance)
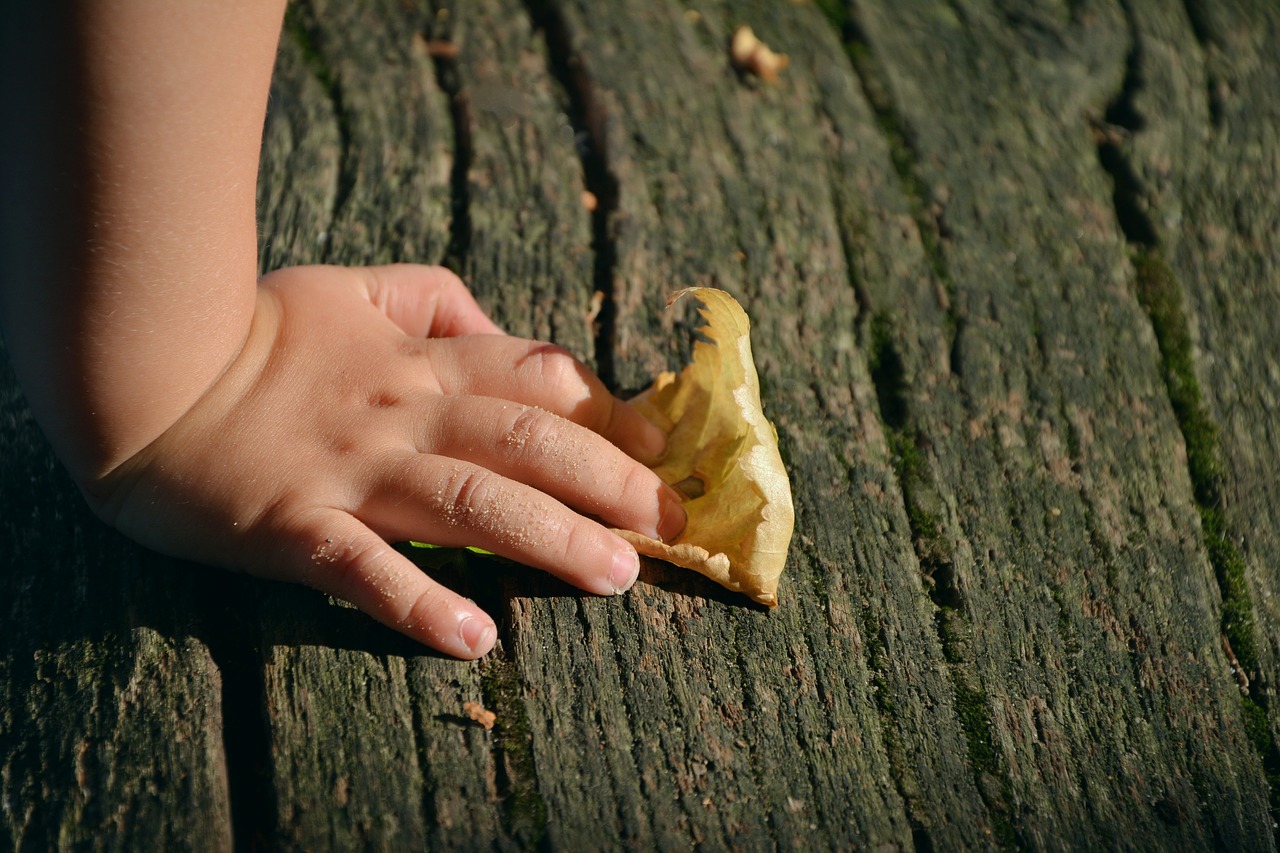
(639, 486)
(576, 541)
(449, 283)
(412, 347)
(466, 491)
(375, 284)
(606, 415)
(277, 539)
(533, 429)
(345, 565)
(558, 370)
(424, 607)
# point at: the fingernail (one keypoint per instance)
(674, 516)
(477, 634)
(625, 570)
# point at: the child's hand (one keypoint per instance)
(381, 404)
(365, 405)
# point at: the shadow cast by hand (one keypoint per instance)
(690, 584)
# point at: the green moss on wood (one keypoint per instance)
(524, 811)
(877, 666)
(892, 126)
(1258, 728)
(975, 719)
(952, 635)
(1160, 294)
(837, 12)
(1237, 608)
(933, 551)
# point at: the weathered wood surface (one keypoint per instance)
(1015, 284)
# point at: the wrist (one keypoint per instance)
(107, 485)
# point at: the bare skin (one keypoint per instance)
(292, 426)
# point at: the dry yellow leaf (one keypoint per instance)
(723, 457)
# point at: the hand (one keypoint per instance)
(380, 404)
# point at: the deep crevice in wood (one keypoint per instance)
(928, 212)
(936, 561)
(888, 375)
(1159, 292)
(887, 384)
(446, 67)
(301, 26)
(587, 118)
(1198, 18)
(246, 733)
(1121, 118)
(933, 552)
(524, 812)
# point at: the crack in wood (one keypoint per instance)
(587, 117)
(1120, 119)
(246, 734)
(439, 34)
(927, 210)
(933, 552)
(889, 381)
(299, 24)
(1198, 18)
(524, 812)
(1159, 292)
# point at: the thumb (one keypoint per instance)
(427, 301)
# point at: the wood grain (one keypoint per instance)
(111, 725)
(1013, 280)
(1204, 173)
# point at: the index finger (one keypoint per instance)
(548, 377)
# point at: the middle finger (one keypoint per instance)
(542, 375)
(571, 463)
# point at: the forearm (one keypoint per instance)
(119, 324)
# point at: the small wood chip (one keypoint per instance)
(1242, 678)
(594, 308)
(477, 712)
(750, 54)
(441, 49)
